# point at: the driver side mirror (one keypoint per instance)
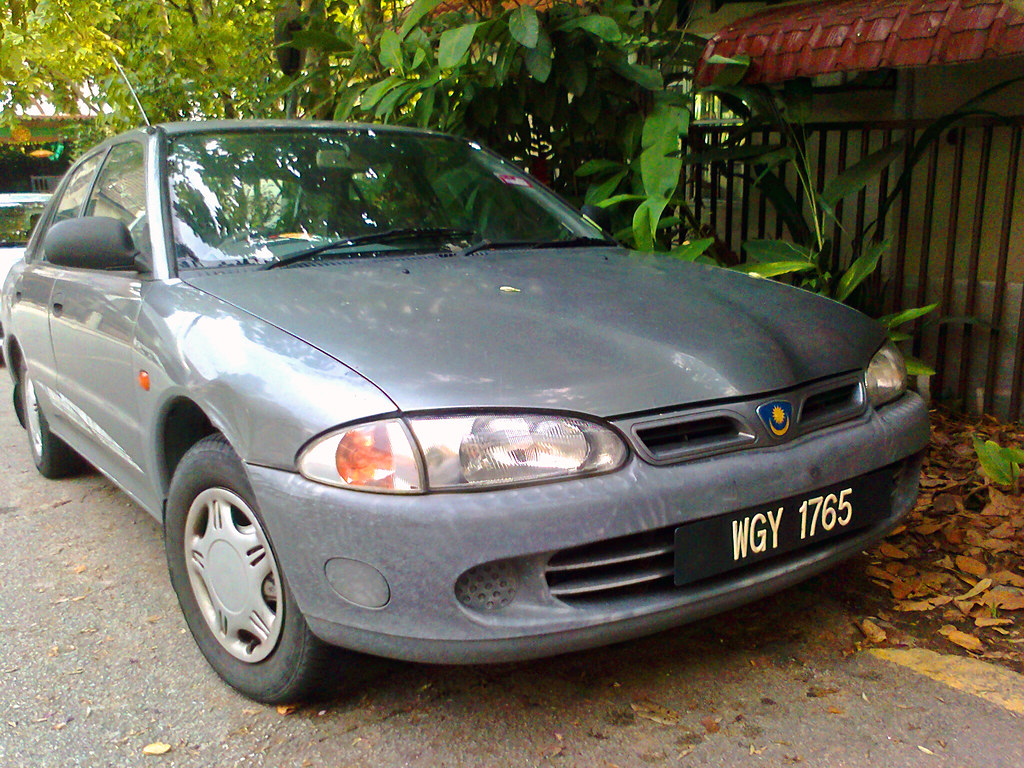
(92, 242)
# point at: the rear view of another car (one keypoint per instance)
(19, 212)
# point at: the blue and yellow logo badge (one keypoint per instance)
(777, 416)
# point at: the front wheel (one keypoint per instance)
(229, 583)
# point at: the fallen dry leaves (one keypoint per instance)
(964, 640)
(872, 632)
(711, 724)
(655, 712)
(956, 565)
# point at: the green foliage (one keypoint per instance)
(892, 323)
(212, 59)
(1001, 464)
(592, 99)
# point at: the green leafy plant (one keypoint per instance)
(592, 99)
(808, 257)
(1000, 463)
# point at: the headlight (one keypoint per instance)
(886, 376)
(461, 452)
(487, 451)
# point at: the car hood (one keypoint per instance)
(594, 330)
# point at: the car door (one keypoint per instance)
(33, 286)
(92, 328)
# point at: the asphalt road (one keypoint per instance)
(96, 664)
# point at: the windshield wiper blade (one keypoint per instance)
(386, 236)
(574, 242)
(493, 245)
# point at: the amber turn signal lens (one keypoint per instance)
(364, 457)
(144, 380)
(371, 457)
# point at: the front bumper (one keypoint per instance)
(423, 544)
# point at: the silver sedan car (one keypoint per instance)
(387, 394)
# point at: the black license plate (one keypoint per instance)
(725, 542)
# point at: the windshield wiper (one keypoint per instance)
(386, 236)
(531, 245)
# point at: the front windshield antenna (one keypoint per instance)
(131, 89)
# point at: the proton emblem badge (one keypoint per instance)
(777, 416)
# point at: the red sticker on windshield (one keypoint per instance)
(515, 181)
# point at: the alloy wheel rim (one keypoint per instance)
(233, 574)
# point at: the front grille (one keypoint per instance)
(675, 438)
(702, 432)
(699, 433)
(643, 562)
(830, 404)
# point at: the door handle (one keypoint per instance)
(58, 308)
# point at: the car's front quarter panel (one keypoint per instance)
(265, 390)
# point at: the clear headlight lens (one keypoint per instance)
(461, 452)
(886, 376)
(493, 450)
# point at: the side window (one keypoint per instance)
(78, 187)
(120, 192)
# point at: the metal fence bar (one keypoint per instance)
(883, 189)
(995, 340)
(899, 268)
(837, 230)
(800, 192)
(971, 300)
(762, 202)
(862, 196)
(926, 239)
(745, 204)
(779, 220)
(822, 157)
(730, 191)
(947, 274)
(714, 175)
(698, 175)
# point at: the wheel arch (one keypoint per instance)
(183, 423)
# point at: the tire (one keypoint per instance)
(230, 586)
(51, 455)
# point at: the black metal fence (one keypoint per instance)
(956, 238)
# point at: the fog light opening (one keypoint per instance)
(487, 587)
(358, 582)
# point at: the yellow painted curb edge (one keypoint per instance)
(978, 678)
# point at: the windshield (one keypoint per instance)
(258, 197)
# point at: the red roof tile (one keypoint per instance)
(816, 38)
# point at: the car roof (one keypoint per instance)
(191, 127)
(207, 126)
